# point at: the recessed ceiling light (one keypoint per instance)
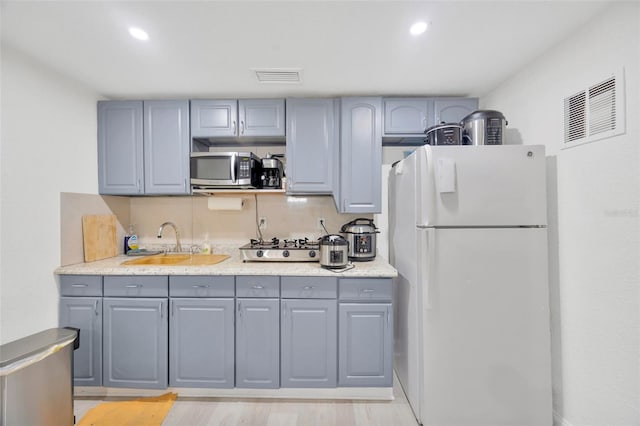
(138, 33)
(418, 28)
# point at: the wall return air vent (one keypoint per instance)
(279, 75)
(595, 113)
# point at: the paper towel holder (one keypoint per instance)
(224, 203)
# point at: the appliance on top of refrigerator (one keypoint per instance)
(469, 240)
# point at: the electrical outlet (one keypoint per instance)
(262, 223)
(320, 222)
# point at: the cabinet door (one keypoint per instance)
(166, 147)
(311, 145)
(261, 117)
(453, 110)
(201, 335)
(214, 118)
(309, 343)
(120, 160)
(365, 344)
(361, 156)
(407, 117)
(135, 343)
(85, 313)
(258, 343)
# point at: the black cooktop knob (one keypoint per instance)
(312, 253)
(285, 253)
(259, 253)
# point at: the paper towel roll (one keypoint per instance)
(225, 203)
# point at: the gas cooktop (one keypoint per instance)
(276, 250)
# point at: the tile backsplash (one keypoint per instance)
(286, 217)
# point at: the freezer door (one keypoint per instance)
(481, 185)
(486, 338)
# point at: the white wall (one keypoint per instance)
(48, 147)
(594, 221)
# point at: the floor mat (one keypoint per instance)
(138, 412)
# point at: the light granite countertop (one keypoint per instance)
(231, 266)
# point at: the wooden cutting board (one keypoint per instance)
(99, 237)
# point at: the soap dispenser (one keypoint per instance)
(130, 240)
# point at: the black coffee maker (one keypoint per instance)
(272, 173)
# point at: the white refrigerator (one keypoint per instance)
(468, 237)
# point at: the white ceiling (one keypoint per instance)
(208, 48)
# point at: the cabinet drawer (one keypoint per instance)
(257, 286)
(81, 285)
(136, 286)
(362, 290)
(201, 286)
(309, 287)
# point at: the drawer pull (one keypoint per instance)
(308, 287)
(200, 286)
(79, 285)
(368, 290)
(133, 286)
(95, 307)
(257, 287)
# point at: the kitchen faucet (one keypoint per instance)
(178, 245)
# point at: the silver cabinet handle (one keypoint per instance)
(133, 286)
(308, 287)
(160, 308)
(234, 127)
(242, 127)
(139, 186)
(173, 308)
(200, 286)
(79, 285)
(257, 287)
(239, 309)
(95, 307)
(284, 309)
(388, 316)
(368, 290)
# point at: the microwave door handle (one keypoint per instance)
(234, 164)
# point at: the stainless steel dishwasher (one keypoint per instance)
(36, 379)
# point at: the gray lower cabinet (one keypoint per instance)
(360, 189)
(312, 146)
(143, 147)
(258, 332)
(201, 331)
(81, 307)
(308, 332)
(135, 332)
(365, 336)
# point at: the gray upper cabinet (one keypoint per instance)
(237, 119)
(360, 156)
(166, 147)
(214, 118)
(453, 110)
(309, 343)
(143, 147)
(120, 148)
(135, 343)
(311, 146)
(407, 117)
(201, 351)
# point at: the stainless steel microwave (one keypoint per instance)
(225, 170)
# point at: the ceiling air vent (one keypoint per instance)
(279, 75)
(595, 113)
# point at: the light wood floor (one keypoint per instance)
(278, 412)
